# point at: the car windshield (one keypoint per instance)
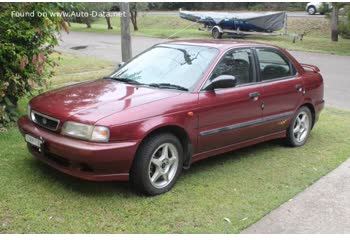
(168, 66)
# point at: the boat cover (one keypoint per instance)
(268, 21)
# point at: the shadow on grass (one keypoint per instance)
(123, 189)
(87, 188)
(210, 163)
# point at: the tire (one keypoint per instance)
(216, 33)
(157, 164)
(311, 10)
(300, 128)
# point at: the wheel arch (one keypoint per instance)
(312, 6)
(311, 107)
(178, 132)
(218, 28)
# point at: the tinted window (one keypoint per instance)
(273, 64)
(238, 63)
(181, 65)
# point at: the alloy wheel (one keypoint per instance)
(301, 127)
(163, 165)
(312, 10)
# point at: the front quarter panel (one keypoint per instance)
(137, 123)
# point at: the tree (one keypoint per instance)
(66, 7)
(106, 7)
(344, 23)
(335, 19)
(26, 42)
(134, 9)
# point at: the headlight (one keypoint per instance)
(29, 109)
(86, 132)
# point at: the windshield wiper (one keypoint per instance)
(168, 85)
(126, 80)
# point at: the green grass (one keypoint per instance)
(76, 68)
(73, 68)
(317, 38)
(243, 185)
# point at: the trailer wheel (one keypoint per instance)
(216, 33)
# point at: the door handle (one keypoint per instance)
(254, 95)
(299, 87)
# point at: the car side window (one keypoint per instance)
(273, 64)
(237, 63)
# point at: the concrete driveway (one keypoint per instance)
(335, 69)
(321, 208)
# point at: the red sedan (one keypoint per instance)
(174, 104)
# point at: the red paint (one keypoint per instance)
(132, 113)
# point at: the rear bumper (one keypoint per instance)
(318, 108)
(81, 159)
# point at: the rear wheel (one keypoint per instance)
(157, 165)
(300, 128)
(216, 33)
(311, 10)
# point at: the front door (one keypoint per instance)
(228, 116)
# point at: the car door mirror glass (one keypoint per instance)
(222, 81)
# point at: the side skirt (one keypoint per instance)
(217, 151)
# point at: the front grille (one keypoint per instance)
(45, 121)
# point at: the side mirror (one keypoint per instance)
(121, 64)
(222, 81)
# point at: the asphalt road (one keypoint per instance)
(289, 14)
(335, 69)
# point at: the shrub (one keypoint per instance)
(26, 42)
(344, 23)
(256, 7)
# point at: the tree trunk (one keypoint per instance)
(109, 25)
(133, 15)
(88, 24)
(65, 18)
(335, 13)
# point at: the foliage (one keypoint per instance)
(230, 6)
(25, 45)
(325, 8)
(256, 7)
(86, 7)
(344, 23)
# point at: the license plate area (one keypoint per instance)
(33, 141)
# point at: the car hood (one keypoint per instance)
(91, 101)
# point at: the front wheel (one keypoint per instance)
(300, 128)
(157, 165)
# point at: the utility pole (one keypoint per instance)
(125, 31)
(334, 26)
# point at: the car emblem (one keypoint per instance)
(44, 121)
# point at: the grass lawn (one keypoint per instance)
(317, 37)
(243, 185)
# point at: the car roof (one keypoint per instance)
(220, 44)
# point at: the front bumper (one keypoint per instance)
(82, 159)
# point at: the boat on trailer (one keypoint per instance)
(238, 24)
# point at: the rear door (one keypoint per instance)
(228, 116)
(282, 89)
